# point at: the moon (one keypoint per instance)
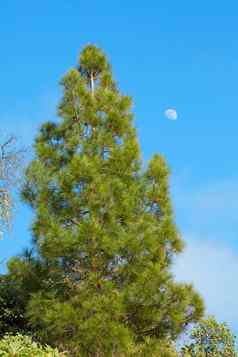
(171, 114)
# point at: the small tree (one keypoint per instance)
(107, 226)
(211, 339)
(10, 164)
(26, 275)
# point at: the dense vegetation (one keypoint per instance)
(98, 280)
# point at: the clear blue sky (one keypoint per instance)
(181, 54)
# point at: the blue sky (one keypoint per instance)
(179, 54)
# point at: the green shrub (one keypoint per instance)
(23, 346)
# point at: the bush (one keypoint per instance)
(23, 346)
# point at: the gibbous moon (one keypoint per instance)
(171, 114)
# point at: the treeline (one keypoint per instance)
(98, 281)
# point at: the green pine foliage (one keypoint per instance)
(105, 225)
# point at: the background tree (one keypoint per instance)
(26, 275)
(211, 339)
(11, 160)
(105, 226)
(11, 166)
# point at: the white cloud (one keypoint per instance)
(213, 269)
(208, 219)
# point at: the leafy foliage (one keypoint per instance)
(211, 339)
(12, 308)
(27, 274)
(106, 227)
(23, 346)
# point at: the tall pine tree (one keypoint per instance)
(105, 226)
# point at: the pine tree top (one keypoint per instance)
(92, 61)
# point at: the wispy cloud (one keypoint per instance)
(208, 210)
(208, 219)
(213, 268)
